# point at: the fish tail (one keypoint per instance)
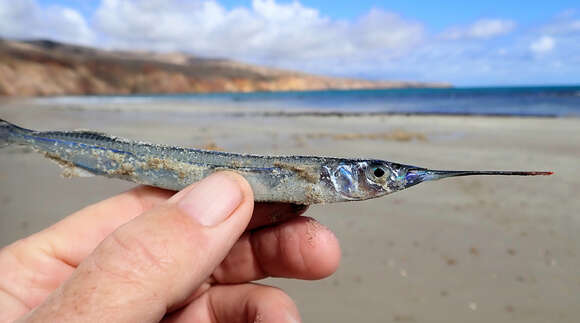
(11, 133)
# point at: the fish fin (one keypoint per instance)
(89, 132)
(72, 171)
(69, 169)
(9, 133)
(87, 135)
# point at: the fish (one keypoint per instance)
(302, 180)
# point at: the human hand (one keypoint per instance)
(147, 256)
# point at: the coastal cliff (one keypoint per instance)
(46, 68)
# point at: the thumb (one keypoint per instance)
(157, 260)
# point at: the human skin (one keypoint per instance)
(149, 255)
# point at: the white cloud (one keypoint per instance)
(481, 29)
(268, 31)
(563, 24)
(27, 19)
(543, 45)
(386, 30)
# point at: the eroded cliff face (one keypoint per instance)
(42, 68)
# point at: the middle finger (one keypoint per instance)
(299, 248)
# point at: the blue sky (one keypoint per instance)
(440, 14)
(435, 14)
(462, 42)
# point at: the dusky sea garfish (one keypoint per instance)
(293, 179)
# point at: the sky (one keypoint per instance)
(467, 43)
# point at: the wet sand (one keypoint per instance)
(480, 249)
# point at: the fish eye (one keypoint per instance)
(378, 173)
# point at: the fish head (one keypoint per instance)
(383, 177)
(367, 179)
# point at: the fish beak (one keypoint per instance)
(416, 175)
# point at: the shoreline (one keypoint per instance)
(550, 102)
(234, 110)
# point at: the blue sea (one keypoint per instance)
(545, 101)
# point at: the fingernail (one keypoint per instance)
(291, 318)
(212, 200)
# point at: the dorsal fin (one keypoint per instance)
(85, 135)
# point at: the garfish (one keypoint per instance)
(292, 179)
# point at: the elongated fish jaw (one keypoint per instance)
(404, 176)
(416, 175)
(412, 175)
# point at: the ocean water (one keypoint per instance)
(549, 101)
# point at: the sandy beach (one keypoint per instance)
(474, 249)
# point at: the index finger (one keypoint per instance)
(76, 236)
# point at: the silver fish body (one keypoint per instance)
(293, 179)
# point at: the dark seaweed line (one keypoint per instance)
(386, 113)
